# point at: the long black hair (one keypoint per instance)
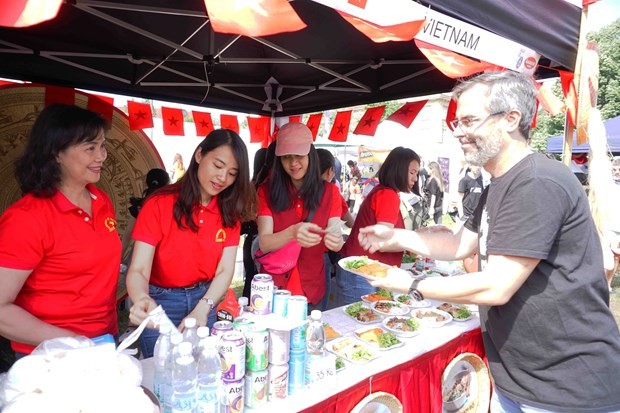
(56, 128)
(234, 202)
(394, 172)
(280, 183)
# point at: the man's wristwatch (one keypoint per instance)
(413, 290)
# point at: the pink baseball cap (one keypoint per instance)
(294, 138)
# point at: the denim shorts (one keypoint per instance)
(353, 286)
(177, 303)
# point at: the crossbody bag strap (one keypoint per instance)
(311, 212)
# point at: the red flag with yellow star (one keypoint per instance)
(370, 121)
(203, 122)
(172, 119)
(407, 113)
(340, 128)
(140, 115)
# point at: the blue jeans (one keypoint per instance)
(353, 286)
(178, 303)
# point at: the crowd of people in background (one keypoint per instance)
(61, 238)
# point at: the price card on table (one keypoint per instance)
(321, 370)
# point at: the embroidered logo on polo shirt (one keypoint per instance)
(220, 235)
(110, 224)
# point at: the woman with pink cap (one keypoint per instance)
(293, 193)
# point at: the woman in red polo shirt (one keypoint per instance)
(59, 250)
(186, 236)
(399, 173)
(293, 189)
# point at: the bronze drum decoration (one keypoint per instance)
(130, 153)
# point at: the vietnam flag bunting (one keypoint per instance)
(340, 128)
(24, 13)
(296, 118)
(450, 63)
(229, 122)
(102, 105)
(370, 121)
(58, 94)
(407, 113)
(451, 113)
(259, 129)
(203, 122)
(253, 18)
(570, 93)
(140, 115)
(402, 32)
(313, 123)
(172, 119)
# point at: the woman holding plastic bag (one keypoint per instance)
(298, 212)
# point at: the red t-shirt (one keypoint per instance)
(183, 257)
(381, 205)
(310, 265)
(74, 258)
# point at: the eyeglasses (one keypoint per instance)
(468, 122)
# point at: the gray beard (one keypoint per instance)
(487, 150)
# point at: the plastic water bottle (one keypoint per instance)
(163, 347)
(201, 332)
(315, 335)
(190, 333)
(211, 394)
(184, 379)
(166, 403)
(244, 306)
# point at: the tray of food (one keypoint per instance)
(378, 338)
(367, 268)
(402, 326)
(352, 350)
(385, 308)
(380, 295)
(330, 332)
(458, 312)
(361, 313)
(431, 317)
(410, 301)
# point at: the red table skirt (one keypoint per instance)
(416, 383)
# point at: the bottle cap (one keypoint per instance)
(315, 314)
(243, 301)
(176, 339)
(190, 322)
(202, 331)
(165, 328)
(185, 348)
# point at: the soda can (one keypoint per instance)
(280, 302)
(256, 388)
(277, 386)
(261, 294)
(279, 346)
(297, 308)
(242, 324)
(234, 395)
(256, 348)
(221, 327)
(298, 337)
(296, 371)
(232, 355)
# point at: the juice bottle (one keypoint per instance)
(229, 308)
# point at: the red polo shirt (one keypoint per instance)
(74, 258)
(183, 257)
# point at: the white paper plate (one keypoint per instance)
(343, 264)
(412, 302)
(398, 331)
(456, 306)
(359, 332)
(397, 308)
(346, 347)
(428, 321)
(375, 320)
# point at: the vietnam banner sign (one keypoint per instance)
(369, 155)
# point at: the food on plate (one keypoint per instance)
(361, 313)
(387, 340)
(353, 351)
(371, 335)
(380, 295)
(405, 299)
(330, 333)
(339, 363)
(456, 311)
(389, 308)
(408, 258)
(431, 315)
(375, 269)
(356, 263)
(404, 324)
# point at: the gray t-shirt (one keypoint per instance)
(555, 345)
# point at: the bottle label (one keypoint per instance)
(223, 315)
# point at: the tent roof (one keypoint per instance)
(166, 50)
(612, 126)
